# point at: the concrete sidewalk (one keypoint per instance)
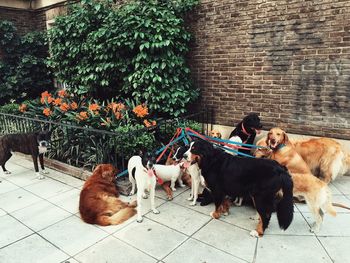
(39, 222)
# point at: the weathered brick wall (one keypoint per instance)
(24, 20)
(287, 60)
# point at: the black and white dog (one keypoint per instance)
(141, 173)
(246, 131)
(194, 171)
(34, 143)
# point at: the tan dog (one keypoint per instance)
(216, 134)
(324, 157)
(317, 194)
(99, 202)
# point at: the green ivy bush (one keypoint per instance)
(134, 51)
(23, 70)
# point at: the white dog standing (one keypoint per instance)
(194, 172)
(141, 171)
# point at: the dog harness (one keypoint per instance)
(152, 172)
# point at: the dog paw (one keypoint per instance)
(225, 214)
(44, 172)
(192, 203)
(315, 228)
(170, 198)
(173, 189)
(139, 220)
(182, 185)
(7, 172)
(144, 196)
(190, 198)
(40, 176)
(254, 233)
(155, 211)
(133, 203)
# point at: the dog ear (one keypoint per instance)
(219, 135)
(285, 138)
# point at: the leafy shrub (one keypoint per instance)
(135, 51)
(23, 70)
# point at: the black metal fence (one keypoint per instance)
(85, 147)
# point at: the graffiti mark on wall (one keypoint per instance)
(322, 85)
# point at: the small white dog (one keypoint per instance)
(141, 171)
(170, 173)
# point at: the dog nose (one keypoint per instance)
(185, 156)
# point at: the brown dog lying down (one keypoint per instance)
(324, 157)
(99, 203)
(316, 193)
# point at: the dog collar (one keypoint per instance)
(279, 147)
(244, 130)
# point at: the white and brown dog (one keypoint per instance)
(142, 174)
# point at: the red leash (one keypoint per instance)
(177, 134)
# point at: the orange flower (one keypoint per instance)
(23, 107)
(46, 96)
(47, 112)
(94, 107)
(82, 115)
(118, 115)
(73, 105)
(64, 107)
(141, 111)
(62, 93)
(148, 124)
(57, 101)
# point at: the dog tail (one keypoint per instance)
(117, 218)
(285, 206)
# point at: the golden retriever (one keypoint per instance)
(316, 193)
(99, 203)
(324, 156)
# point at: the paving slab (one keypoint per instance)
(40, 215)
(332, 226)
(151, 237)
(68, 200)
(337, 248)
(295, 249)
(194, 251)
(180, 218)
(17, 199)
(7, 186)
(32, 249)
(228, 238)
(72, 235)
(48, 188)
(114, 251)
(12, 230)
(342, 183)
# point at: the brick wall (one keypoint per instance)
(24, 20)
(287, 60)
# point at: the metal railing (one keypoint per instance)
(85, 147)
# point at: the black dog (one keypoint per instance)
(263, 179)
(247, 129)
(34, 143)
